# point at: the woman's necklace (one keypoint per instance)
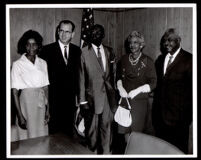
(134, 61)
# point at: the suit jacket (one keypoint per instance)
(95, 85)
(64, 79)
(173, 95)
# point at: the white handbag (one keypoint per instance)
(122, 115)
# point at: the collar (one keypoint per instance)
(175, 54)
(24, 58)
(62, 45)
(95, 47)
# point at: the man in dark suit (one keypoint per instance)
(97, 95)
(63, 59)
(172, 105)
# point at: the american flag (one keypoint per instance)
(87, 23)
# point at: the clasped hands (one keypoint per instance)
(124, 94)
(133, 93)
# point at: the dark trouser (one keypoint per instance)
(98, 130)
(139, 111)
(118, 141)
(176, 135)
(62, 116)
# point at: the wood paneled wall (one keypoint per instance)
(152, 22)
(42, 20)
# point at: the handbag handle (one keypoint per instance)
(129, 106)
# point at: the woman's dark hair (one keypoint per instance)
(30, 34)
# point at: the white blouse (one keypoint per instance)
(25, 74)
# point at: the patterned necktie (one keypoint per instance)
(65, 53)
(100, 58)
(170, 61)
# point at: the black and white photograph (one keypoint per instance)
(101, 80)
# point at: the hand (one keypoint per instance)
(133, 93)
(122, 92)
(47, 117)
(84, 108)
(22, 122)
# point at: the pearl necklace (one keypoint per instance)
(134, 61)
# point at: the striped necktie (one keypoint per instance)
(100, 58)
(65, 53)
(169, 61)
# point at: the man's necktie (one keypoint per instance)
(100, 58)
(65, 53)
(169, 61)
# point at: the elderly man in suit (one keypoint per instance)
(172, 105)
(63, 60)
(97, 95)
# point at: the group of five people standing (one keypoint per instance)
(92, 77)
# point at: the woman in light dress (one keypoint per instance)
(29, 83)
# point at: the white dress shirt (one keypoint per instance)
(102, 54)
(25, 74)
(167, 59)
(62, 50)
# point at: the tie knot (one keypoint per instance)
(171, 56)
(99, 53)
(169, 61)
(65, 52)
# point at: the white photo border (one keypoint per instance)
(128, 5)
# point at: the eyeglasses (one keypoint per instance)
(66, 32)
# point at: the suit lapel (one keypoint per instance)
(107, 59)
(92, 54)
(162, 65)
(176, 61)
(70, 54)
(60, 55)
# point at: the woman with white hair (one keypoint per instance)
(136, 77)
